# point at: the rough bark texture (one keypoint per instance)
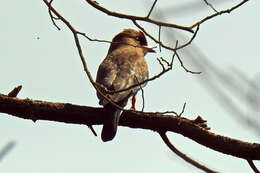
(69, 113)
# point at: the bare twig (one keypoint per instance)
(218, 13)
(131, 17)
(142, 90)
(52, 17)
(172, 59)
(190, 41)
(105, 41)
(159, 39)
(252, 165)
(189, 71)
(163, 45)
(160, 62)
(183, 109)
(92, 130)
(15, 91)
(182, 155)
(169, 65)
(210, 5)
(148, 15)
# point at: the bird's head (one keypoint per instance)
(130, 37)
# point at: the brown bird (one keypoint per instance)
(123, 67)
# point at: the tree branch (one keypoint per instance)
(76, 114)
(182, 155)
(218, 13)
(131, 17)
(15, 91)
(252, 165)
(75, 33)
(150, 11)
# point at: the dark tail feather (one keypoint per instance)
(112, 117)
(110, 123)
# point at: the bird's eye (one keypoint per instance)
(138, 38)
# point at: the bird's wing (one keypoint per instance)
(120, 70)
(106, 74)
(115, 73)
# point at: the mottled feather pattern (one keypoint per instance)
(123, 67)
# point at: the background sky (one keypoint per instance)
(34, 54)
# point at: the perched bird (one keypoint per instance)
(123, 67)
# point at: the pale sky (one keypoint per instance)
(50, 69)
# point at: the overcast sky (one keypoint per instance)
(34, 54)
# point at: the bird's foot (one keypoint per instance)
(133, 103)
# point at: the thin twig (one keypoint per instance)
(148, 15)
(173, 55)
(52, 17)
(182, 155)
(160, 62)
(147, 80)
(210, 5)
(183, 109)
(252, 165)
(159, 39)
(106, 41)
(166, 62)
(163, 45)
(218, 13)
(143, 98)
(131, 17)
(141, 88)
(92, 130)
(178, 57)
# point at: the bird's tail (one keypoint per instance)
(112, 116)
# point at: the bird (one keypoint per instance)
(123, 67)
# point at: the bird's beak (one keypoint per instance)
(150, 49)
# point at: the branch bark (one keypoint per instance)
(184, 156)
(76, 114)
(131, 17)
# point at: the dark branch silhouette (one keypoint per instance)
(195, 130)
(182, 155)
(131, 17)
(76, 114)
(252, 165)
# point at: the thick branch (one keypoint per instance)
(69, 113)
